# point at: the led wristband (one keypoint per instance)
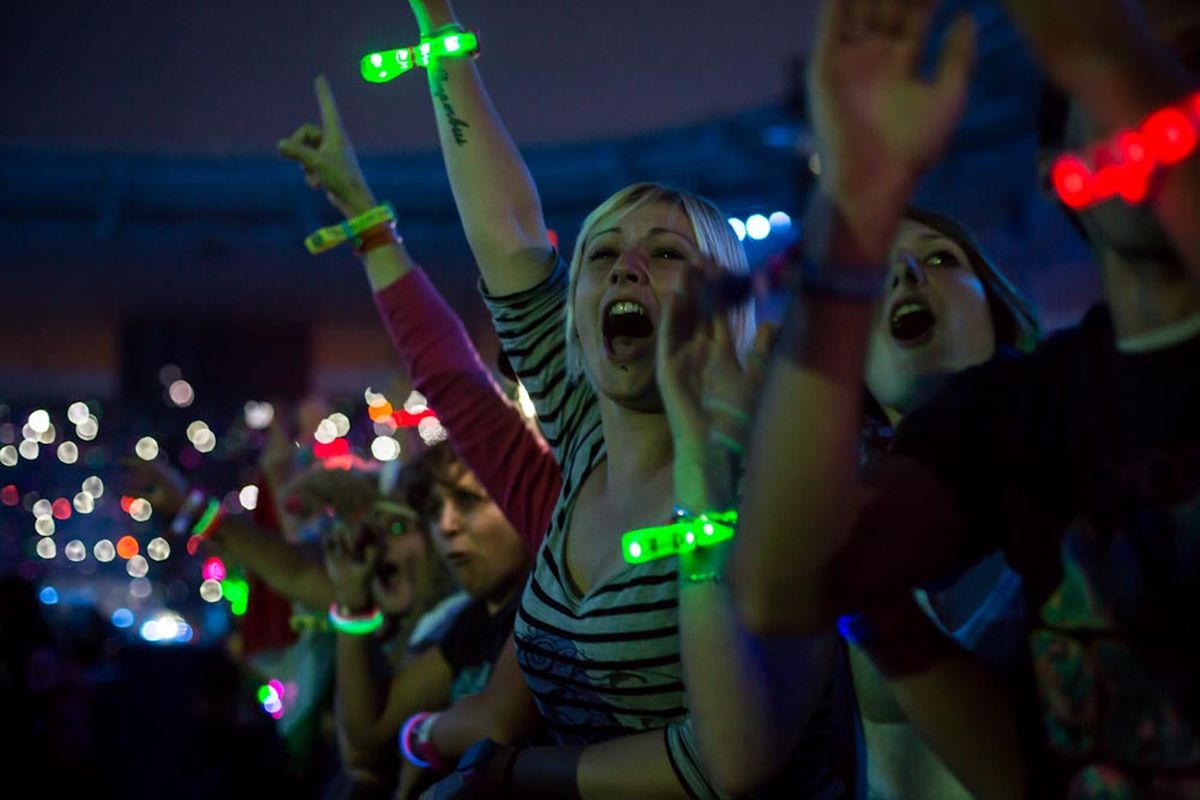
(330, 237)
(681, 536)
(359, 625)
(450, 41)
(416, 744)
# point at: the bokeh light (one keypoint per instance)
(248, 497)
(416, 403)
(431, 431)
(75, 550)
(84, 503)
(9, 495)
(104, 551)
(68, 452)
(210, 590)
(88, 429)
(28, 449)
(48, 595)
(158, 549)
(61, 509)
(181, 393)
(213, 569)
(341, 423)
(8, 455)
(122, 618)
(137, 567)
(525, 402)
(127, 547)
(326, 432)
(46, 548)
(385, 448)
(259, 415)
(146, 448)
(141, 588)
(77, 412)
(140, 509)
(47, 436)
(93, 486)
(42, 508)
(39, 421)
(44, 525)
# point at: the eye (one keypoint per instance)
(941, 258)
(669, 253)
(601, 254)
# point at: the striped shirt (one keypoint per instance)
(606, 663)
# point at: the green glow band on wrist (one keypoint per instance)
(333, 235)
(649, 544)
(386, 65)
(202, 526)
(356, 626)
(455, 44)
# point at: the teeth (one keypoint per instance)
(906, 309)
(626, 307)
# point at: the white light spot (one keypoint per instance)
(158, 549)
(259, 415)
(140, 509)
(68, 452)
(75, 550)
(8, 455)
(431, 431)
(248, 497)
(94, 486)
(205, 441)
(211, 591)
(195, 429)
(757, 227)
(47, 436)
(385, 448)
(780, 222)
(83, 503)
(326, 432)
(46, 548)
(28, 449)
(385, 427)
(44, 525)
(39, 421)
(104, 551)
(88, 429)
(341, 423)
(416, 403)
(814, 163)
(137, 567)
(739, 228)
(77, 412)
(374, 399)
(376, 60)
(181, 393)
(42, 508)
(146, 448)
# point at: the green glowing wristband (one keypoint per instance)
(455, 44)
(356, 626)
(386, 65)
(648, 544)
(330, 237)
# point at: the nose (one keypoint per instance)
(907, 271)
(449, 520)
(629, 268)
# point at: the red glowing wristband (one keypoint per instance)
(1124, 165)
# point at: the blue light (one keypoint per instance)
(780, 222)
(758, 227)
(48, 595)
(122, 618)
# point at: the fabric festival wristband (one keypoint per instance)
(360, 625)
(330, 237)
(208, 522)
(1124, 165)
(420, 751)
(683, 535)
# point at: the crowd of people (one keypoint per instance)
(960, 553)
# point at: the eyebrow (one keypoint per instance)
(652, 231)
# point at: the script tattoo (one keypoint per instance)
(457, 125)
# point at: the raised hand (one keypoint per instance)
(327, 157)
(352, 554)
(878, 123)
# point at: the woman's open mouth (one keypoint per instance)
(912, 323)
(627, 329)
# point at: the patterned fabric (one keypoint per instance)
(1084, 466)
(607, 663)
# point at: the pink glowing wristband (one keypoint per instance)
(416, 741)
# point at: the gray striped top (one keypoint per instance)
(603, 664)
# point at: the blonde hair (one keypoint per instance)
(714, 238)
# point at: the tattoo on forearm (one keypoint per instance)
(457, 125)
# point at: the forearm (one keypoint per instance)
(801, 469)
(632, 766)
(281, 565)
(503, 711)
(359, 699)
(495, 194)
(965, 713)
(750, 698)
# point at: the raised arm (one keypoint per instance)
(878, 126)
(510, 459)
(1120, 67)
(497, 200)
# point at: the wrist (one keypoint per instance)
(432, 14)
